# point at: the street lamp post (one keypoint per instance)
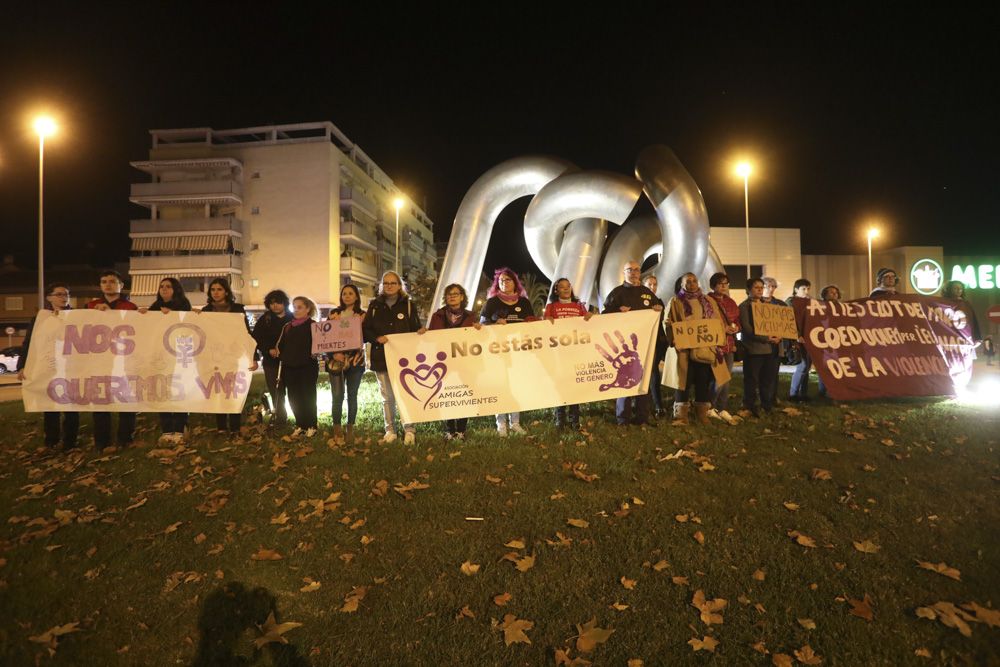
(44, 127)
(744, 169)
(398, 204)
(872, 233)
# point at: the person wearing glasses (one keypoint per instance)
(454, 314)
(62, 426)
(507, 303)
(632, 295)
(390, 312)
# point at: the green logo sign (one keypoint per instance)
(926, 276)
(984, 276)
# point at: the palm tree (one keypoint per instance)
(538, 291)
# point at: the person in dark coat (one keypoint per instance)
(390, 312)
(266, 332)
(170, 296)
(346, 368)
(222, 300)
(454, 314)
(56, 300)
(299, 370)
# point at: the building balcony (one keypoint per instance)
(356, 198)
(357, 268)
(353, 233)
(220, 192)
(221, 264)
(219, 224)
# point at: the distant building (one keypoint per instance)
(297, 207)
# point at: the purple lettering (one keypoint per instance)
(119, 345)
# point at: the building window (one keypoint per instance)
(255, 174)
(255, 210)
(13, 303)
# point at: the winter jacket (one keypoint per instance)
(266, 332)
(440, 320)
(383, 320)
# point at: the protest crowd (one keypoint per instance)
(700, 376)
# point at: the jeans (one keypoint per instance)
(757, 380)
(300, 383)
(102, 428)
(701, 376)
(721, 400)
(515, 418)
(389, 404)
(350, 380)
(624, 410)
(800, 379)
(70, 428)
(173, 422)
(277, 392)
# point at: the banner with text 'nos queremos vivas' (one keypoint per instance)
(125, 361)
(904, 345)
(454, 373)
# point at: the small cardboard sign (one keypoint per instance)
(690, 334)
(337, 335)
(772, 320)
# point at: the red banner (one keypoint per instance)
(904, 345)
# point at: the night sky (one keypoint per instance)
(848, 114)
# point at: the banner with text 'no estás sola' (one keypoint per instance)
(126, 361)
(906, 345)
(454, 373)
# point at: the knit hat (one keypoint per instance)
(881, 273)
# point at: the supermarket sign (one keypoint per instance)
(983, 276)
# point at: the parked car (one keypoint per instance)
(8, 359)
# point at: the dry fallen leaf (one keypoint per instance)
(990, 617)
(680, 581)
(502, 599)
(590, 636)
(49, 637)
(563, 660)
(618, 606)
(272, 631)
(578, 523)
(782, 660)
(806, 656)
(802, 539)
(709, 608)
(922, 653)
(941, 568)
(867, 547)
(353, 599)
(661, 565)
(791, 507)
(759, 575)
(514, 630)
(525, 564)
(807, 623)
(821, 474)
(310, 586)
(704, 644)
(516, 544)
(464, 612)
(469, 569)
(266, 554)
(699, 537)
(629, 584)
(493, 480)
(862, 608)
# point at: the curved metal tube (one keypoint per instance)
(490, 194)
(580, 256)
(586, 194)
(713, 265)
(680, 209)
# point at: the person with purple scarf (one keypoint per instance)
(694, 366)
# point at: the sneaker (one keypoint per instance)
(517, 430)
(310, 432)
(389, 437)
(297, 432)
(726, 417)
(714, 414)
(409, 438)
(502, 430)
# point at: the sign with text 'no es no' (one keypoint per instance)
(690, 334)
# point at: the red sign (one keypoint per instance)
(993, 314)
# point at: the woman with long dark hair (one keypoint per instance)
(507, 303)
(266, 332)
(454, 314)
(170, 296)
(222, 300)
(298, 365)
(346, 368)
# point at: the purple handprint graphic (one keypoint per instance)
(626, 362)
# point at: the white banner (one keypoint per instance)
(453, 373)
(126, 361)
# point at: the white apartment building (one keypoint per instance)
(296, 207)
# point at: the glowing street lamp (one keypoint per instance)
(398, 204)
(872, 233)
(743, 170)
(44, 126)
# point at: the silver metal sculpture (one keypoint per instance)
(566, 224)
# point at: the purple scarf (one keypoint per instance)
(706, 305)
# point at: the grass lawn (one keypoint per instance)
(178, 557)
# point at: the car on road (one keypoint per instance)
(8, 359)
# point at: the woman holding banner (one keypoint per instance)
(719, 283)
(222, 300)
(346, 368)
(955, 289)
(507, 303)
(299, 372)
(694, 366)
(828, 293)
(761, 355)
(563, 303)
(170, 296)
(454, 314)
(390, 312)
(266, 332)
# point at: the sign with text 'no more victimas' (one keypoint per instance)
(125, 361)
(454, 373)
